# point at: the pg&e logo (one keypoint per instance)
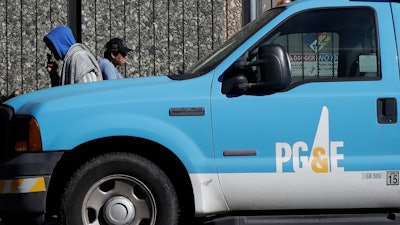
(322, 157)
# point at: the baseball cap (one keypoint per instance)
(117, 45)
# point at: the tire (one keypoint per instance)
(119, 189)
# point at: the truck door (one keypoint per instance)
(328, 140)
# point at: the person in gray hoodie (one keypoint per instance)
(79, 65)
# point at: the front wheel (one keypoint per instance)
(119, 189)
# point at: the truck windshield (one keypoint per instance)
(209, 62)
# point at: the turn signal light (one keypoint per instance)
(283, 2)
(35, 140)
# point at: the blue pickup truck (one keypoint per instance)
(297, 112)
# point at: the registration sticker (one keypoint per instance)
(392, 178)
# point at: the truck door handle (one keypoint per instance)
(387, 110)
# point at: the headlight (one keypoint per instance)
(27, 136)
(18, 133)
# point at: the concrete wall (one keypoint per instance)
(22, 51)
(166, 35)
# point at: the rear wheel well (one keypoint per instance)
(161, 156)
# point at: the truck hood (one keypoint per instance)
(174, 113)
(106, 93)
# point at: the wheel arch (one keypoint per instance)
(158, 154)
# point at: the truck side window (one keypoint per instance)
(330, 44)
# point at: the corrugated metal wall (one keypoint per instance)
(166, 35)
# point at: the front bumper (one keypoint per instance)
(24, 181)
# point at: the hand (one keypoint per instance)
(52, 67)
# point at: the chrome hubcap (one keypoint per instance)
(119, 210)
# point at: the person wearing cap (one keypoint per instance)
(116, 54)
(79, 64)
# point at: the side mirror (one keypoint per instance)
(274, 73)
(274, 68)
